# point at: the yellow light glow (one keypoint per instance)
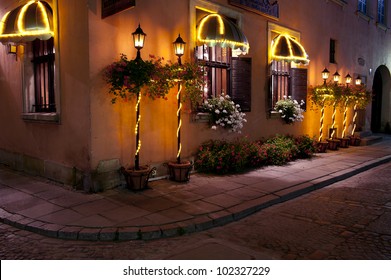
(333, 120)
(221, 30)
(178, 96)
(137, 125)
(291, 55)
(354, 118)
(345, 118)
(21, 29)
(2, 23)
(321, 120)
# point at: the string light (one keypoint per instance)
(289, 40)
(21, 30)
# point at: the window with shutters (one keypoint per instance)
(286, 77)
(226, 74)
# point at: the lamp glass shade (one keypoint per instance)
(139, 38)
(325, 74)
(358, 80)
(179, 46)
(336, 77)
(12, 49)
(348, 79)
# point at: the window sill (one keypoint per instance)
(274, 115)
(363, 16)
(340, 2)
(382, 26)
(41, 117)
(201, 117)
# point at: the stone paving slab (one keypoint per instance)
(168, 208)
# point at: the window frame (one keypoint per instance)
(273, 31)
(27, 68)
(381, 17)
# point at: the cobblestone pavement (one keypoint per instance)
(347, 220)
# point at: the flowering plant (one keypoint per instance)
(155, 76)
(290, 109)
(225, 113)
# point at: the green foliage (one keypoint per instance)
(340, 95)
(222, 157)
(153, 77)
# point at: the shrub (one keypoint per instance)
(222, 157)
(306, 146)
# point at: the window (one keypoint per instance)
(287, 66)
(280, 79)
(43, 64)
(217, 64)
(39, 77)
(362, 6)
(381, 12)
(332, 51)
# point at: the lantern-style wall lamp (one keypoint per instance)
(348, 79)
(138, 40)
(325, 75)
(336, 77)
(358, 80)
(12, 49)
(179, 48)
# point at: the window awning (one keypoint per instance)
(215, 29)
(28, 22)
(285, 47)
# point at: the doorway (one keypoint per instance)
(380, 99)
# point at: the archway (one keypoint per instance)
(381, 107)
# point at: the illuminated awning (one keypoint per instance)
(284, 47)
(215, 29)
(28, 22)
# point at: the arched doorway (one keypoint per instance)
(381, 99)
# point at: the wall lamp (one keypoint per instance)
(348, 79)
(336, 77)
(325, 75)
(358, 80)
(138, 40)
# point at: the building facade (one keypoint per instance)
(56, 117)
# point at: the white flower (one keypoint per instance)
(213, 127)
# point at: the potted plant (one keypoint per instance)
(130, 80)
(290, 110)
(224, 113)
(322, 96)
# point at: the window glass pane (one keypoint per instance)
(381, 12)
(362, 6)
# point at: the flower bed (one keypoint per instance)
(223, 157)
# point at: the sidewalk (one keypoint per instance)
(169, 208)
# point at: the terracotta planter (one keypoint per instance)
(333, 144)
(355, 141)
(322, 146)
(344, 142)
(137, 180)
(180, 172)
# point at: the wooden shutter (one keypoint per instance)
(299, 85)
(241, 82)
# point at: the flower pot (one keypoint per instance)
(333, 144)
(180, 172)
(355, 141)
(344, 142)
(137, 180)
(322, 146)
